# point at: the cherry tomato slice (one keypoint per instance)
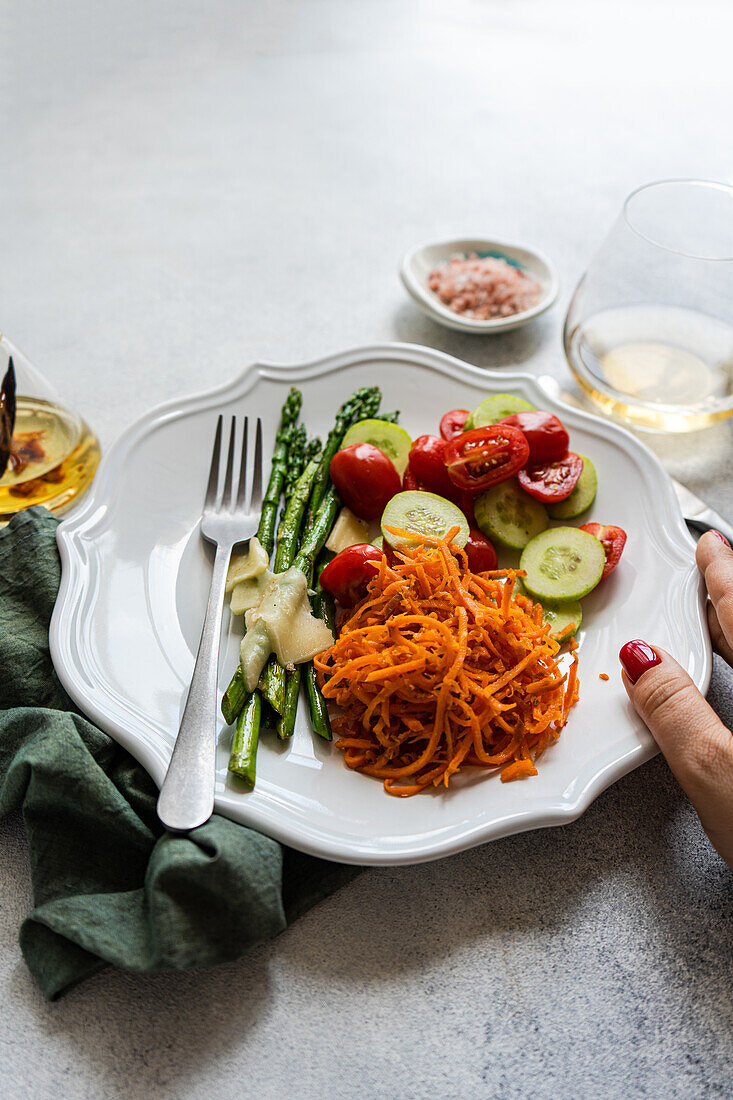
(365, 479)
(485, 456)
(479, 551)
(409, 481)
(546, 435)
(452, 423)
(427, 464)
(347, 576)
(551, 481)
(613, 539)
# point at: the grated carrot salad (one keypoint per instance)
(439, 667)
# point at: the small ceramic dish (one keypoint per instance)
(417, 265)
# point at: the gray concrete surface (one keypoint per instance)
(186, 186)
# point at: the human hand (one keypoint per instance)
(696, 744)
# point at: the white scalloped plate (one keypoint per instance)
(135, 580)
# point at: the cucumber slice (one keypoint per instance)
(559, 614)
(391, 440)
(505, 512)
(424, 513)
(495, 408)
(562, 615)
(581, 497)
(563, 563)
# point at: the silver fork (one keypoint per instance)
(187, 795)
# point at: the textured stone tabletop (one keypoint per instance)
(188, 186)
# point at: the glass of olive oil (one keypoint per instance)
(53, 452)
(649, 332)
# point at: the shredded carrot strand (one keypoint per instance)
(438, 668)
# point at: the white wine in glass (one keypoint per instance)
(53, 454)
(649, 331)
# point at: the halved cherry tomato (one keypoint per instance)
(613, 539)
(452, 423)
(409, 481)
(365, 479)
(479, 551)
(347, 576)
(485, 456)
(427, 463)
(546, 435)
(550, 481)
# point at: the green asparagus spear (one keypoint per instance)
(322, 604)
(294, 464)
(360, 406)
(288, 416)
(273, 680)
(312, 543)
(286, 725)
(317, 534)
(299, 455)
(271, 684)
(390, 417)
(312, 448)
(243, 760)
(317, 704)
(290, 524)
(326, 610)
(234, 697)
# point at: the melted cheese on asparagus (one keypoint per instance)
(244, 567)
(281, 622)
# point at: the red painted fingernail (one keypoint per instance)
(637, 657)
(719, 536)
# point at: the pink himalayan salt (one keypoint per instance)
(483, 288)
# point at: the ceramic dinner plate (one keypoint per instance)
(135, 581)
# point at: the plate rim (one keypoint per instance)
(78, 579)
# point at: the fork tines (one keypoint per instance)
(228, 501)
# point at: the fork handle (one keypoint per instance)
(186, 798)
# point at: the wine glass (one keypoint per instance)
(53, 453)
(649, 332)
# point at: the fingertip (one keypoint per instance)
(637, 657)
(709, 546)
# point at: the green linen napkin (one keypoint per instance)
(109, 885)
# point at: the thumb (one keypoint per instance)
(696, 744)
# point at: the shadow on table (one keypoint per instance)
(153, 1031)
(505, 350)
